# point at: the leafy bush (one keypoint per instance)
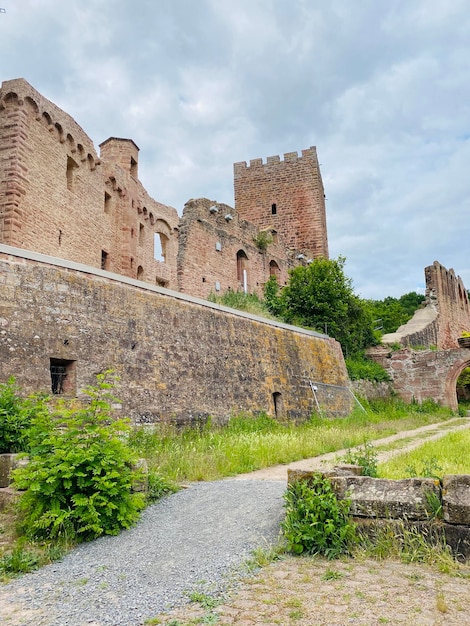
(159, 486)
(361, 368)
(365, 457)
(316, 521)
(16, 414)
(79, 479)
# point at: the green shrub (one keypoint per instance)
(361, 368)
(316, 521)
(79, 479)
(16, 414)
(159, 486)
(364, 456)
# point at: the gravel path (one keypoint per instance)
(194, 540)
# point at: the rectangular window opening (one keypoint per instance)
(104, 260)
(62, 376)
(107, 202)
(133, 167)
(273, 209)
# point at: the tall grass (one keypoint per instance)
(447, 455)
(248, 443)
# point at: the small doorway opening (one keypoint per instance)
(278, 404)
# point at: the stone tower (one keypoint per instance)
(286, 197)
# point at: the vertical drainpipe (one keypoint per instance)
(245, 282)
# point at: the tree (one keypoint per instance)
(393, 312)
(321, 297)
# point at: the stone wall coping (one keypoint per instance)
(86, 269)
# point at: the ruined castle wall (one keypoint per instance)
(50, 189)
(210, 237)
(418, 375)
(446, 314)
(285, 195)
(177, 357)
(448, 293)
(58, 197)
(140, 219)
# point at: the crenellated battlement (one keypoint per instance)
(287, 195)
(289, 157)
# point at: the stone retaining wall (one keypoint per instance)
(411, 500)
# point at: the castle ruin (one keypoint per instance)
(59, 197)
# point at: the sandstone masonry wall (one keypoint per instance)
(448, 293)
(286, 196)
(178, 358)
(424, 374)
(445, 316)
(211, 236)
(58, 197)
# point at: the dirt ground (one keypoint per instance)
(304, 591)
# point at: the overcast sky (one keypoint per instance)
(381, 87)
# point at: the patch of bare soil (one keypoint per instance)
(305, 591)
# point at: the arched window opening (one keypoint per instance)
(160, 243)
(242, 270)
(274, 269)
(141, 235)
(70, 173)
(140, 273)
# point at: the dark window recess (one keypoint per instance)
(273, 209)
(62, 376)
(278, 404)
(104, 260)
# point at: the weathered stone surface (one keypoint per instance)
(286, 196)
(8, 496)
(456, 499)
(380, 497)
(178, 358)
(58, 197)
(434, 531)
(9, 462)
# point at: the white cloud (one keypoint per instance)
(381, 89)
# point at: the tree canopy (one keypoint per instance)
(320, 296)
(391, 313)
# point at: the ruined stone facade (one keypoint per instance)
(430, 359)
(58, 197)
(218, 252)
(178, 358)
(445, 316)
